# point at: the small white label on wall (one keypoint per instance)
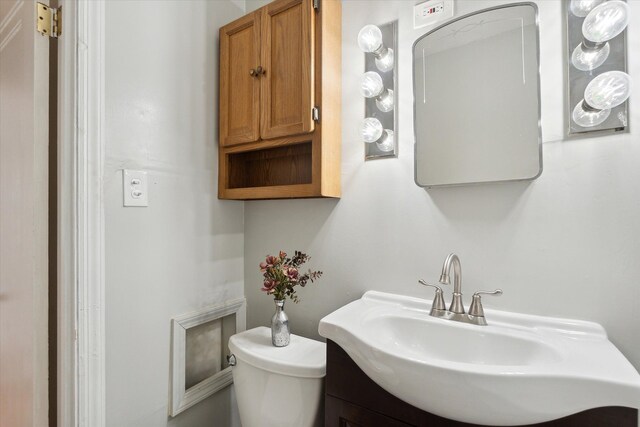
(432, 12)
(135, 188)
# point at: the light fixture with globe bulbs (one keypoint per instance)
(602, 23)
(371, 41)
(377, 86)
(598, 83)
(373, 87)
(374, 132)
(603, 93)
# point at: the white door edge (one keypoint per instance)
(81, 325)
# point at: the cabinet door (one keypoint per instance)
(288, 34)
(239, 83)
(339, 413)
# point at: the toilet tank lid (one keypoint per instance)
(303, 357)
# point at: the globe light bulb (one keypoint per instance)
(581, 8)
(385, 101)
(371, 84)
(606, 21)
(384, 62)
(587, 117)
(386, 143)
(586, 59)
(370, 38)
(371, 129)
(608, 90)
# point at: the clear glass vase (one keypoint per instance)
(280, 335)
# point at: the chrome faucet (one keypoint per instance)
(456, 309)
(456, 303)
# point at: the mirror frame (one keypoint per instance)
(413, 73)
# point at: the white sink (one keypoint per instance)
(520, 369)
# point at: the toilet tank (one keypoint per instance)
(278, 386)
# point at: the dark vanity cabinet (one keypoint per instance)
(354, 400)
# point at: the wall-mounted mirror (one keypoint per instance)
(477, 99)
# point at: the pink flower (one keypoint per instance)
(268, 285)
(271, 261)
(291, 273)
(281, 275)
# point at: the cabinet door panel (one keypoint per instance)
(288, 59)
(239, 90)
(339, 413)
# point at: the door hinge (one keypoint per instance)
(315, 114)
(49, 20)
(316, 4)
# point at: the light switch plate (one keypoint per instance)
(432, 12)
(135, 188)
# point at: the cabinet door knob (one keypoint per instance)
(260, 70)
(252, 72)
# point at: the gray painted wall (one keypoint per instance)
(185, 251)
(564, 245)
(252, 5)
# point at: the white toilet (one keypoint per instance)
(278, 386)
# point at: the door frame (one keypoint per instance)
(81, 279)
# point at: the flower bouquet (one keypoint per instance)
(281, 275)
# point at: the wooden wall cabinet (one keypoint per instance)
(280, 95)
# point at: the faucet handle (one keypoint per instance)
(497, 292)
(476, 303)
(422, 282)
(438, 302)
